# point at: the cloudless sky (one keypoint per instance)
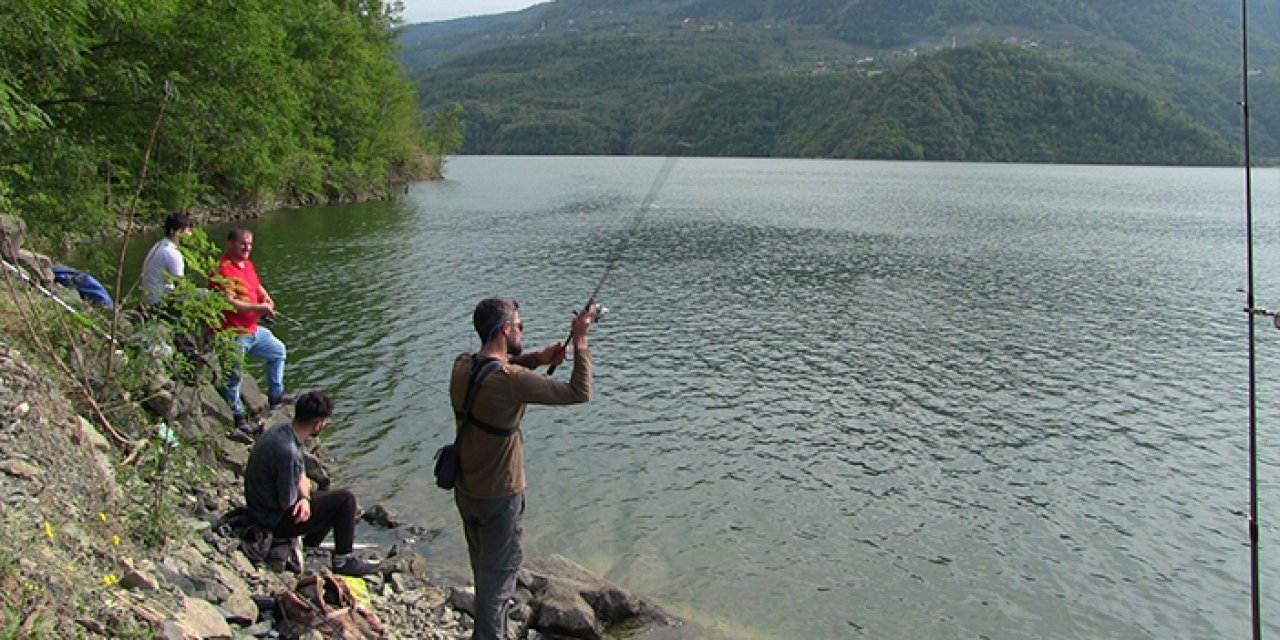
(435, 10)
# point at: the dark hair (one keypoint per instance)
(237, 233)
(176, 222)
(491, 313)
(312, 406)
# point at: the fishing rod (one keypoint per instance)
(290, 319)
(597, 310)
(62, 303)
(1253, 312)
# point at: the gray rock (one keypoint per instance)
(379, 515)
(39, 267)
(20, 469)
(139, 581)
(212, 405)
(88, 436)
(234, 455)
(561, 588)
(12, 231)
(316, 471)
(255, 401)
(202, 620)
(163, 404)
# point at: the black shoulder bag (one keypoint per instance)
(448, 462)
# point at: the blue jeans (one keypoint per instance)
(261, 344)
(494, 529)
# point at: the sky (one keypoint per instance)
(434, 10)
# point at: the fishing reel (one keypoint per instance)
(598, 312)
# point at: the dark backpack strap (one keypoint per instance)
(478, 374)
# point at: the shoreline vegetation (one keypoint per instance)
(113, 115)
(119, 463)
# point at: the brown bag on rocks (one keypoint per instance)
(324, 603)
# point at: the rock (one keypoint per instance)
(88, 436)
(20, 469)
(560, 589)
(139, 580)
(12, 231)
(561, 610)
(93, 626)
(234, 455)
(202, 620)
(211, 404)
(254, 400)
(241, 605)
(316, 471)
(378, 515)
(39, 267)
(463, 600)
(163, 404)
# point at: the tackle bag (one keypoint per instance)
(447, 463)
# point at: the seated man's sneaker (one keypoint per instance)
(353, 566)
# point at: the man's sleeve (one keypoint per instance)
(535, 388)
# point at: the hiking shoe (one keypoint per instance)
(285, 398)
(354, 567)
(243, 425)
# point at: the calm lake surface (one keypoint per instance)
(834, 399)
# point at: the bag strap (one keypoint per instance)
(479, 372)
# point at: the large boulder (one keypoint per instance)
(568, 600)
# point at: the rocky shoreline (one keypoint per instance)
(113, 495)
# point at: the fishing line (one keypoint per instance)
(663, 173)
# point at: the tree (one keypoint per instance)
(444, 136)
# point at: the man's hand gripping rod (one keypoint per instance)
(597, 312)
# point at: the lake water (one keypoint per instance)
(834, 399)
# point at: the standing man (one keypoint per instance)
(491, 483)
(278, 493)
(237, 279)
(164, 263)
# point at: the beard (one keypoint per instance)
(515, 348)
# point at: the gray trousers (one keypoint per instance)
(494, 529)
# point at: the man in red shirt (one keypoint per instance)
(237, 279)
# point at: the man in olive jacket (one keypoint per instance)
(490, 488)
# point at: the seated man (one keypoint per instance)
(164, 262)
(278, 493)
(237, 279)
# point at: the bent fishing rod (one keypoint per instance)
(596, 309)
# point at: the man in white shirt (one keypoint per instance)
(164, 262)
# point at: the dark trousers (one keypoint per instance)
(494, 530)
(330, 510)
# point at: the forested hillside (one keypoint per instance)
(108, 107)
(524, 89)
(985, 103)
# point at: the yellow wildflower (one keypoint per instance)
(110, 579)
(48, 530)
(102, 516)
(115, 540)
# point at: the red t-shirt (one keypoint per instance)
(243, 285)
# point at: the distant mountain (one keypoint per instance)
(606, 76)
(986, 103)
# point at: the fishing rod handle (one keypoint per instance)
(596, 312)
